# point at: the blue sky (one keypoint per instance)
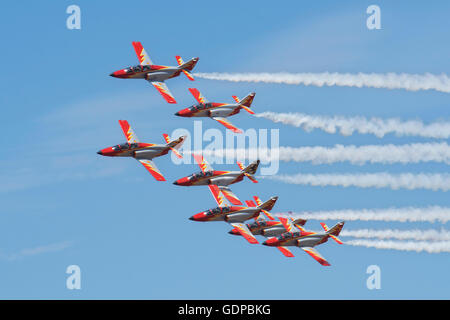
(62, 204)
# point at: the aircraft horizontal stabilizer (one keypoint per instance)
(268, 215)
(247, 104)
(248, 175)
(334, 231)
(175, 144)
(186, 67)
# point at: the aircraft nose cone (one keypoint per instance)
(184, 113)
(182, 182)
(264, 243)
(100, 152)
(192, 218)
(111, 74)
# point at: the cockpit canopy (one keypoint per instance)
(138, 68)
(256, 224)
(125, 146)
(217, 210)
(212, 212)
(199, 175)
(288, 235)
(200, 106)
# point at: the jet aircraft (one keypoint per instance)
(222, 179)
(306, 240)
(143, 152)
(217, 111)
(235, 215)
(156, 74)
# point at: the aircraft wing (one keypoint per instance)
(143, 57)
(198, 96)
(243, 230)
(223, 197)
(250, 204)
(285, 251)
(223, 121)
(316, 255)
(226, 191)
(128, 132)
(164, 91)
(217, 195)
(290, 227)
(150, 166)
(202, 163)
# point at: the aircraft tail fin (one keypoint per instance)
(299, 221)
(246, 102)
(174, 145)
(268, 205)
(334, 231)
(186, 67)
(250, 170)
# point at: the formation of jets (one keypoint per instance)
(280, 232)
(157, 74)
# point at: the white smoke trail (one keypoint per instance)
(386, 154)
(408, 181)
(348, 125)
(410, 153)
(408, 214)
(418, 246)
(417, 234)
(411, 82)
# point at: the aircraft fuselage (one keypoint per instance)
(219, 178)
(228, 214)
(298, 239)
(266, 228)
(210, 109)
(136, 150)
(147, 72)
